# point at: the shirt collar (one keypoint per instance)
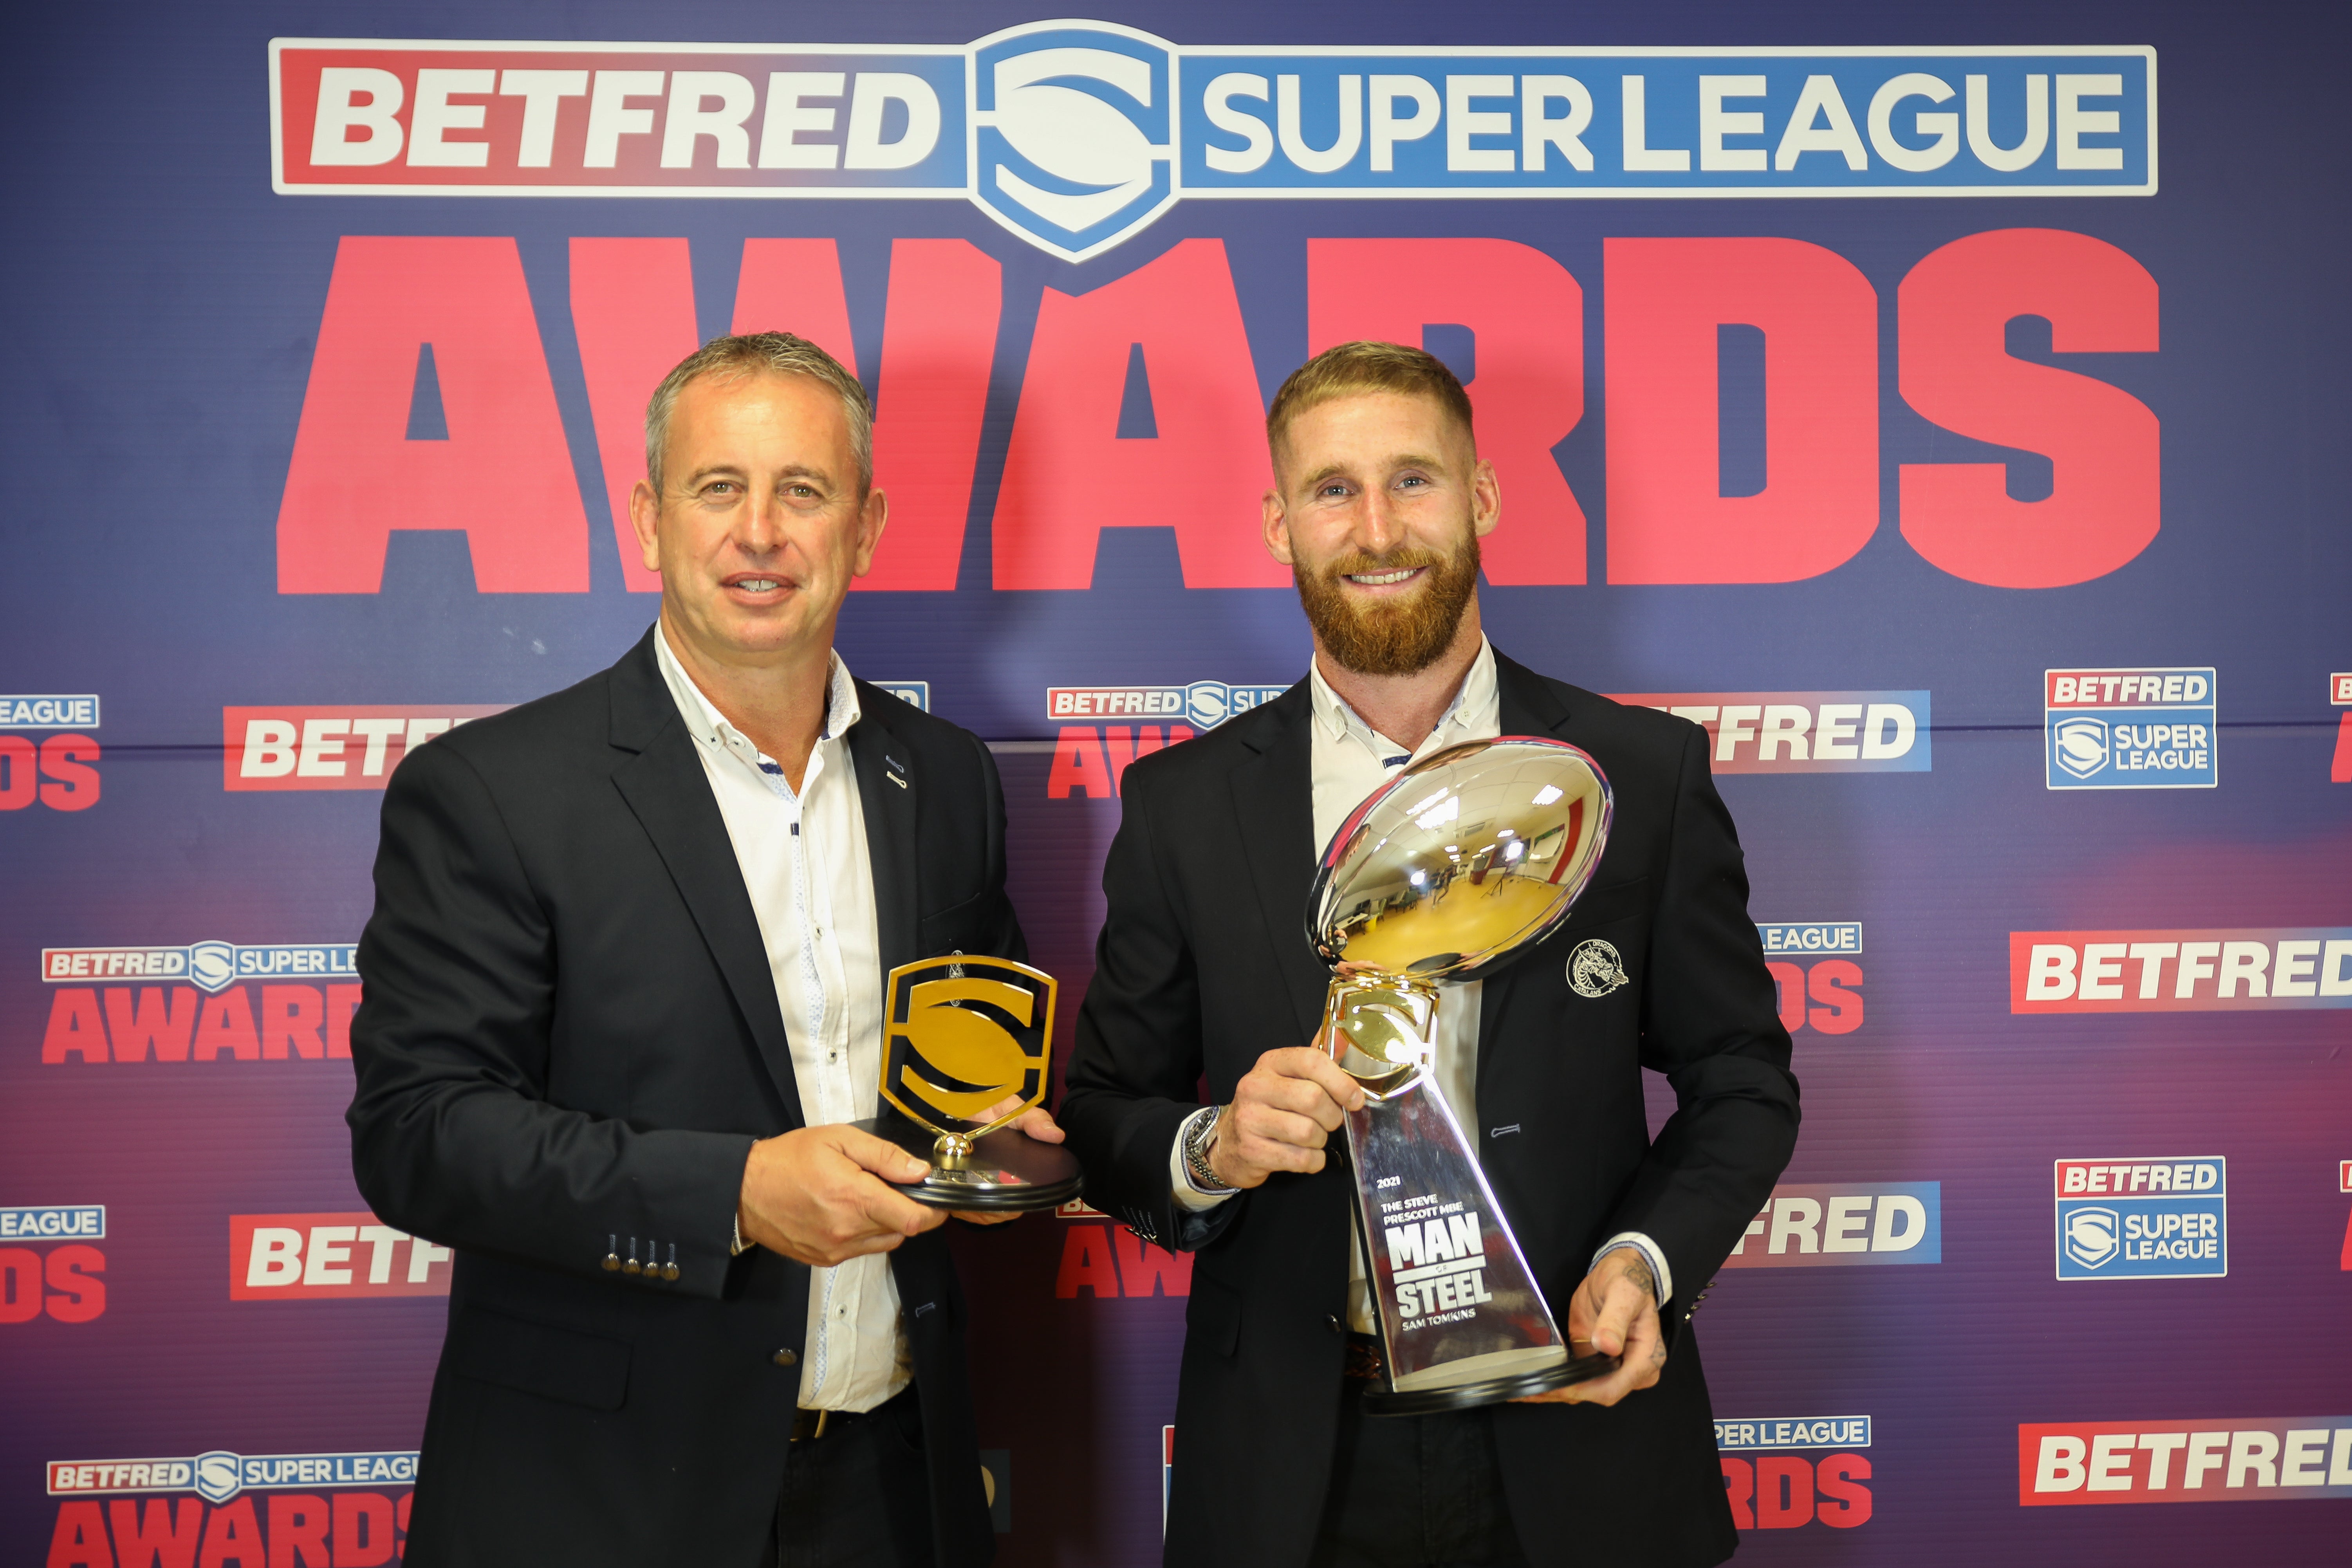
(709, 726)
(1475, 708)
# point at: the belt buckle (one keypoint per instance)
(809, 1424)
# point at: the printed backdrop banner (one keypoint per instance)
(1914, 396)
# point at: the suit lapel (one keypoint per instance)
(665, 787)
(1528, 707)
(1274, 801)
(886, 789)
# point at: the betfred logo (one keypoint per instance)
(1805, 732)
(1090, 759)
(49, 713)
(1816, 990)
(1780, 1487)
(329, 748)
(913, 693)
(319, 1509)
(61, 1284)
(2143, 1219)
(1202, 705)
(2277, 1460)
(219, 1476)
(55, 771)
(280, 1001)
(2131, 729)
(210, 966)
(1812, 1224)
(2179, 971)
(309, 1257)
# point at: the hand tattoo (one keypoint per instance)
(1638, 1271)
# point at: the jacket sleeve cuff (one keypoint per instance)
(1191, 1196)
(1651, 1254)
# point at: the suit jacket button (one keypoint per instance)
(786, 1358)
(1334, 1323)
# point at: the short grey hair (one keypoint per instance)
(761, 353)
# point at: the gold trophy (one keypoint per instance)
(1464, 860)
(963, 1035)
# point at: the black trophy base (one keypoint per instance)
(1488, 1390)
(1008, 1173)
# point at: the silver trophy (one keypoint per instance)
(1469, 857)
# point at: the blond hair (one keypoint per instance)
(762, 353)
(1351, 370)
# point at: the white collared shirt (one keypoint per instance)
(1349, 760)
(805, 866)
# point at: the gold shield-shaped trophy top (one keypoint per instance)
(964, 1033)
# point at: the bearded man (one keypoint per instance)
(1204, 976)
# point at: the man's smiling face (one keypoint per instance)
(760, 524)
(1381, 503)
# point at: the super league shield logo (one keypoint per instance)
(1073, 133)
(2092, 1236)
(2081, 745)
(963, 1034)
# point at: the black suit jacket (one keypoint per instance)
(569, 1035)
(1204, 965)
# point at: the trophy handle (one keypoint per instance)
(1380, 1030)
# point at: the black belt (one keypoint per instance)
(811, 1425)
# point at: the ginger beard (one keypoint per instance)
(1390, 637)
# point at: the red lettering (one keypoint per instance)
(19, 782)
(2338, 772)
(938, 338)
(1202, 475)
(79, 1539)
(75, 1027)
(1668, 520)
(297, 1531)
(1844, 1502)
(939, 343)
(232, 1535)
(1837, 983)
(225, 1024)
(292, 1016)
(2344, 1259)
(1790, 982)
(795, 286)
(1080, 764)
(1087, 1264)
(1784, 1491)
(342, 1001)
(633, 313)
(1122, 746)
(2107, 494)
(151, 1015)
(73, 784)
(1739, 1485)
(20, 1284)
(1145, 1269)
(160, 1533)
(362, 1530)
(504, 474)
(1527, 316)
(633, 308)
(72, 1274)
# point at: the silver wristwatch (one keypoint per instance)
(1200, 1135)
